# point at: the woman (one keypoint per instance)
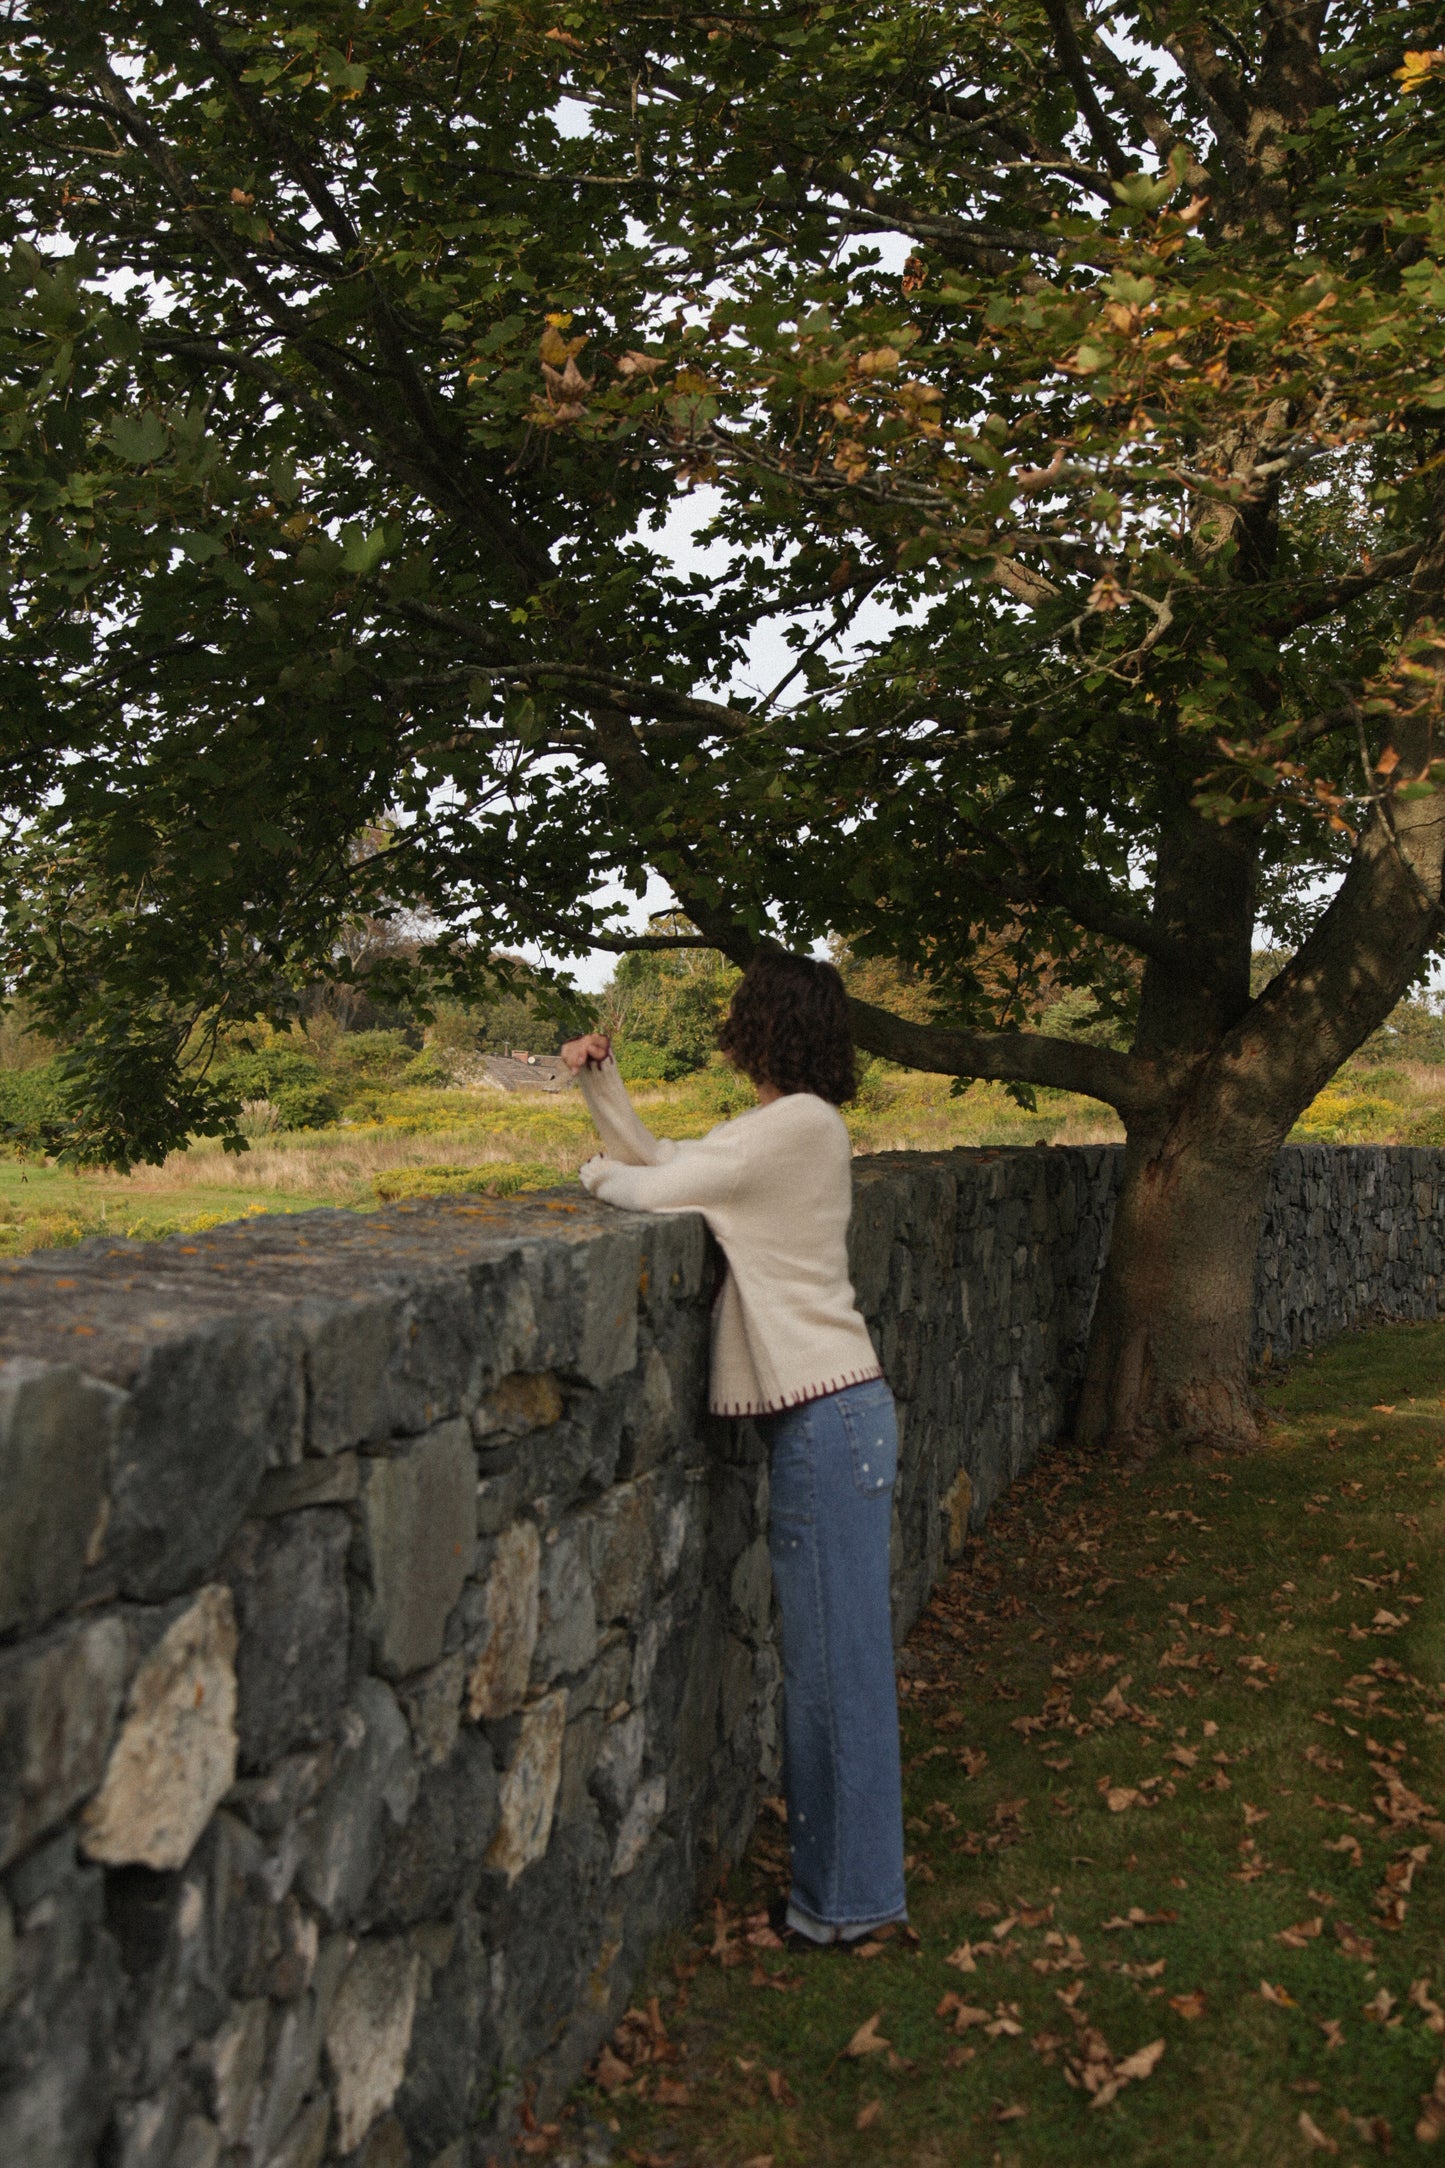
(790, 1349)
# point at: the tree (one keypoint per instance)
(666, 1008)
(1112, 534)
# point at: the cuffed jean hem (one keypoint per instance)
(825, 1931)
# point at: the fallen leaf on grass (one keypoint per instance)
(1188, 2006)
(780, 2090)
(1432, 2111)
(610, 2071)
(1312, 2134)
(962, 1959)
(1333, 2031)
(1136, 1916)
(1379, 2006)
(672, 2093)
(1279, 1995)
(1347, 1844)
(1398, 1803)
(1389, 1899)
(868, 2115)
(1296, 1938)
(1354, 1945)
(964, 2014)
(1425, 2002)
(759, 2160)
(867, 2040)
(1009, 2115)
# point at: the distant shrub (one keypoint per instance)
(284, 1078)
(639, 1062)
(1338, 1115)
(721, 1091)
(428, 1070)
(370, 1057)
(34, 1116)
(306, 1105)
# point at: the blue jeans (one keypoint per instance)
(834, 1463)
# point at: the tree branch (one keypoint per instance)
(1071, 60)
(1326, 600)
(1122, 1081)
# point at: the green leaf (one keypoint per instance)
(362, 549)
(139, 439)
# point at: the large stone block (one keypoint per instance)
(295, 2062)
(652, 1417)
(648, 1806)
(520, 1402)
(369, 2032)
(209, 1411)
(368, 1799)
(235, 2060)
(622, 1551)
(59, 1700)
(433, 1704)
(304, 2144)
(529, 1789)
(57, 2043)
(175, 1758)
(606, 1275)
(452, 2065)
(348, 1347)
(618, 1767)
(56, 1432)
(419, 1510)
(433, 1863)
(499, 1657)
(566, 1612)
(288, 1580)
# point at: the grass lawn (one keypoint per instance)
(1174, 1760)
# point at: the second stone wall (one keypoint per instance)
(386, 1648)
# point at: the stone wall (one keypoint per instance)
(387, 1652)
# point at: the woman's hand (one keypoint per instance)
(588, 1052)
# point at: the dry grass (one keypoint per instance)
(335, 1164)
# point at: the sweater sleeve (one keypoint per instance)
(627, 1139)
(701, 1174)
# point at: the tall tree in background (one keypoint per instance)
(1072, 382)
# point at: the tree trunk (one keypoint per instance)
(1168, 1356)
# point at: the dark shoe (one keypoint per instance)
(792, 1939)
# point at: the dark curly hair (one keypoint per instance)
(788, 1026)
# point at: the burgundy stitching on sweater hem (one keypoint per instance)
(796, 1400)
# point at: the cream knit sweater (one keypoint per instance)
(776, 1188)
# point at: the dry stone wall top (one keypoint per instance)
(386, 1649)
